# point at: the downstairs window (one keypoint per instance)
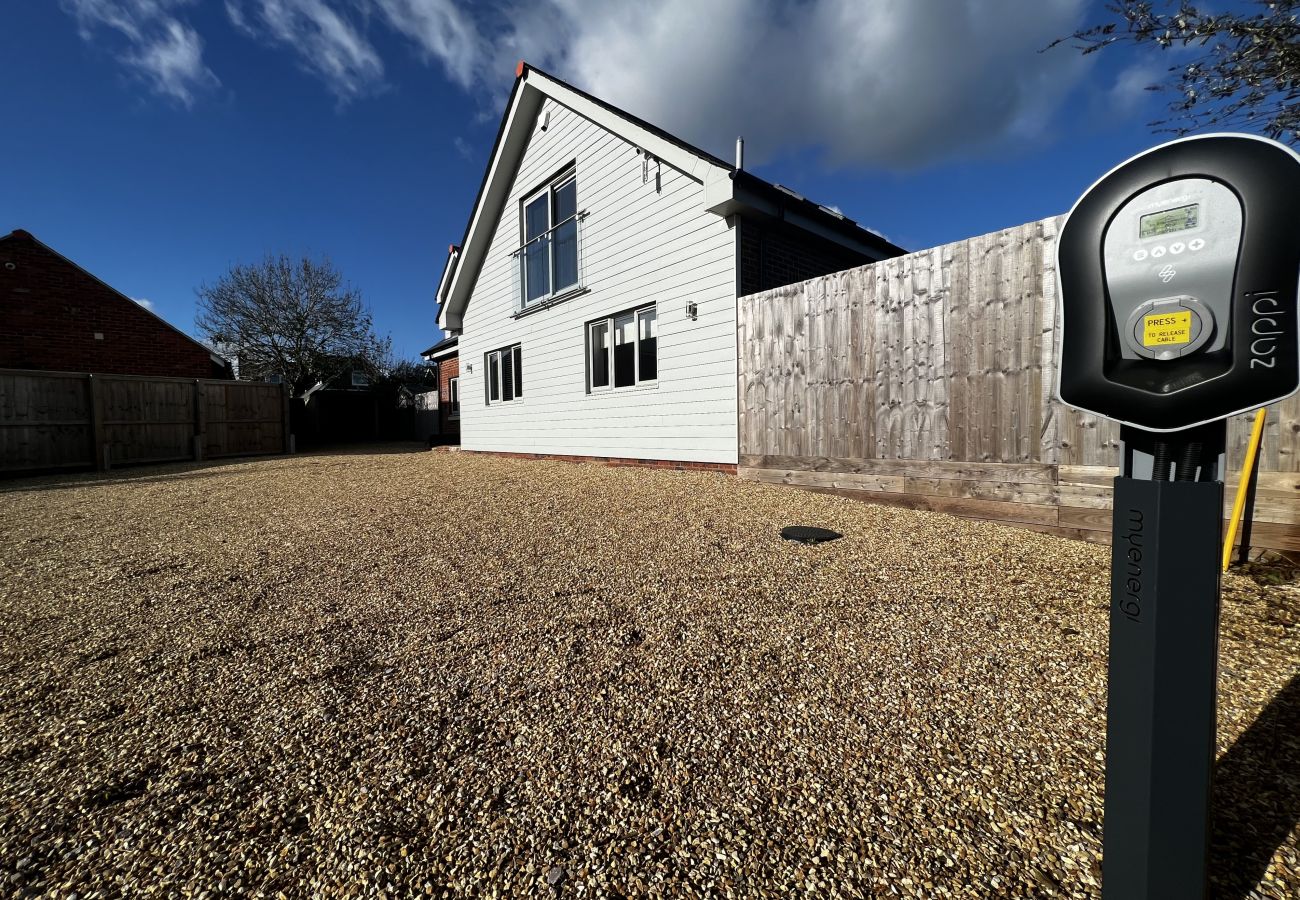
(505, 375)
(623, 350)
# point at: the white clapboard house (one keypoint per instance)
(595, 291)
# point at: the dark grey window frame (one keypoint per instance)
(561, 179)
(498, 365)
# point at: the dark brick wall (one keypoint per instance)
(447, 370)
(50, 312)
(773, 254)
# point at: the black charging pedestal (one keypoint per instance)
(1164, 620)
(1179, 308)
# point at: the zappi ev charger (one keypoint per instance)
(1178, 275)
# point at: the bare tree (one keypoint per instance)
(408, 371)
(1244, 72)
(297, 320)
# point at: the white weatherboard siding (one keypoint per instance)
(638, 245)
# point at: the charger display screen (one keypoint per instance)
(1167, 221)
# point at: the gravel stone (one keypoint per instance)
(395, 673)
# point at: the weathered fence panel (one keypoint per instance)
(927, 381)
(65, 420)
(43, 420)
(242, 417)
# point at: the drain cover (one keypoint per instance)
(807, 534)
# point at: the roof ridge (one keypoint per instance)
(23, 233)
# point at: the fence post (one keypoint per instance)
(286, 425)
(200, 417)
(98, 449)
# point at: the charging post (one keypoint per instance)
(1178, 282)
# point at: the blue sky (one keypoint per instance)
(157, 142)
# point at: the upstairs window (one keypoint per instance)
(623, 350)
(548, 259)
(505, 375)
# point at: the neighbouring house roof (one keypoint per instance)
(448, 270)
(444, 348)
(19, 234)
(727, 190)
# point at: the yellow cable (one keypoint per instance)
(1243, 481)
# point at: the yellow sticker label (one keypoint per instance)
(1167, 329)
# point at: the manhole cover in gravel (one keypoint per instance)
(807, 534)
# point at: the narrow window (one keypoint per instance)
(494, 377)
(453, 392)
(519, 371)
(647, 345)
(566, 235)
(599, 352)
(507, 376)
(537, 247)
(624, 350)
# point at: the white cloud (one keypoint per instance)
(887, 83)
(162, 50)
(235, 13)
(324, 38)
(444, 32)
(147, 304)
(1131, 92)
(463, 147)
(891, 83)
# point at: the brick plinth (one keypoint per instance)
(676, 465)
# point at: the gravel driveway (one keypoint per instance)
(412, 673)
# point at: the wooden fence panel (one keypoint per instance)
(147, 419)
(243, 418)
(54, 420)
(947, 357)
(44, 421)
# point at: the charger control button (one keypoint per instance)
(1169, 328)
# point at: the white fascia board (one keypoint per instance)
(726, 199)
(440, 298)
(501, 170)
(720, 192)
(447, 271)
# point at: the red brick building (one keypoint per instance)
(446, 357)
(56, 316)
